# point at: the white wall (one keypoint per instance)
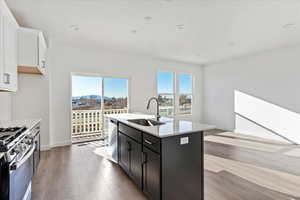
(5, 106)
(31, 101)
(141, 72)
(271, 76)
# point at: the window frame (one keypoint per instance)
(102, 76)
(191, 94)
(176, 93)
(172, 94)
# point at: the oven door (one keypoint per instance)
(21, 173)
(37, 152)
(4, 179)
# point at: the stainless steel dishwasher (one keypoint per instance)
(111, 148)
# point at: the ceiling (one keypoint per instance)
(195, 31)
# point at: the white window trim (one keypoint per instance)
(176, 93)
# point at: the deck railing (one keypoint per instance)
(88, 124)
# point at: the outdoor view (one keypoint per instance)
(185, 93)
(165, 89)
(92, 98)
(166, 93)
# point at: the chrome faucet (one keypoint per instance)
(157, 108)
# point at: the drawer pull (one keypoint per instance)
(148, 142)
(144, 158)
(129, 147)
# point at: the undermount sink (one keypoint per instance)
(146, 122)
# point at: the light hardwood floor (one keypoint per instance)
(237, 167)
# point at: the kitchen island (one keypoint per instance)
(165, 160)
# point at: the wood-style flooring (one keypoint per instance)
(237, 167)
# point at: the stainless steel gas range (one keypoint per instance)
(20, 149)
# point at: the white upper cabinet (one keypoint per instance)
(32, 51)
(8, 49)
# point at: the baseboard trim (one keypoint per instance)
(61, 144)
(58, 144)
(45, 147)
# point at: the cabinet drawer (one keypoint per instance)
(131, 132)
(152, 142)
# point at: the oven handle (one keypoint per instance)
(18, 164)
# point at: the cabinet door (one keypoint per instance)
(123, 152)
(28, 47)
(1, 50)
(130, 158)
(10, 53)
(151, 174)
(135, 161)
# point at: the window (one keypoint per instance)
(175, 93)
(165, 88)
(185, 82)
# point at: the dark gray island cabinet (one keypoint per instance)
(164, 168)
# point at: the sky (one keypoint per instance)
(185, 83)
(88, 85)
(165, 82)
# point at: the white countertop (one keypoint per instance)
(172, 127)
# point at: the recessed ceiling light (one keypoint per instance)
(180, 26)
(289, 25)
(74, 27)
(231, 44)
(133, 31)
(148, 18)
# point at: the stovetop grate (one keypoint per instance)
(8, 135)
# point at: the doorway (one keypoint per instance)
(94, 98)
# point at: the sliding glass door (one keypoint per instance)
(92, 98)
(115, 93)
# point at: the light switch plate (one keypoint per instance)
(184, 140)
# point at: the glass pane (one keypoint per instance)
(185, 83)
(86, 93)
(115, 95)
(185, 104)
(86, 108)
(165, 82)
(166, 103)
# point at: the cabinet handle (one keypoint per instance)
(43, 64)
(148, 142)
(144, 158)
(129, 146)
(6, 78)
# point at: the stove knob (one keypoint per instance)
(16, 150)
(23, 146)
(28, 141)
